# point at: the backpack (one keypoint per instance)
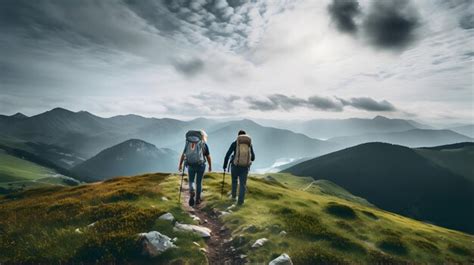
(193, 150)
(242, 156)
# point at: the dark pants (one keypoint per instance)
(196, 173)
(240, 174)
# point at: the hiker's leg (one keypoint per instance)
(242, 184)
(199, 174)
(191, 174)
(234, 175)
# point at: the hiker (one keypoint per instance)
(194, 156)
(242, 157)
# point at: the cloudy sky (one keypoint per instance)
(293, 59)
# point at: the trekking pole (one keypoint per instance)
(222, 186)
(181, 185)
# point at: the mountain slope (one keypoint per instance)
(456, 157)
(128, 158)
(18, 174)
(411, 138)
(101, 223)
(398, 179)
(467, 130)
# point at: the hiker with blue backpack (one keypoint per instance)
(242, 157)
(194, 156)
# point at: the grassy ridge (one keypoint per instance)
(321, 228)
(18, 174)
(52, 225)
(328, 229)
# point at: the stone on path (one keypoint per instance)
(283, 259)
(196, 229)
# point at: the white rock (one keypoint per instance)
(164, 199)
(224, 213)
(283, 259)
(167, 217)
(198, 230)
(155, 243)
(195, 218)
(260, 242)
(203, 250)
(78, 231)
(283, 233)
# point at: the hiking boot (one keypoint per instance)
(191, 198)
(198, 201)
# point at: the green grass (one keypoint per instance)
(321, 228)
(17, 169)
(324, 228)
(39, 225)
(20, 174)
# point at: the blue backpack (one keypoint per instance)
(193, 151)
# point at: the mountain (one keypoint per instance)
(467, 130)
(270, 144)
(324, 225)
(128, 158)
(411, 138)
(456, 157)
(328, 128)
(400, 180)
(88, 134)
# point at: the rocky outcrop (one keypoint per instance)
(154, 243)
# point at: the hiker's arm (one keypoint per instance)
(208, 157)
(181, 159)
(229, 152)
(252, 154)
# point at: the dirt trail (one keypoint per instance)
(219, 248)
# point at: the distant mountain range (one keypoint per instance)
(129, 158)
(330, 128)
(68, 138)
(87, 134)
(410, 138)
(467, 130)
(400, 180)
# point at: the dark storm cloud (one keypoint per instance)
(343, 12)
(391, 24)
(189, 67)
(368, 104)
(467, 21)
(279, 101)
(324, 103)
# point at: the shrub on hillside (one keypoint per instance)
(340, 210)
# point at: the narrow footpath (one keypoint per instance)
(219, 249)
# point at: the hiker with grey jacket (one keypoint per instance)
(242, 157)
(194, 156)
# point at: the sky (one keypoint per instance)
(275, 59)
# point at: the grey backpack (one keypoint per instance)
(193, 151)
